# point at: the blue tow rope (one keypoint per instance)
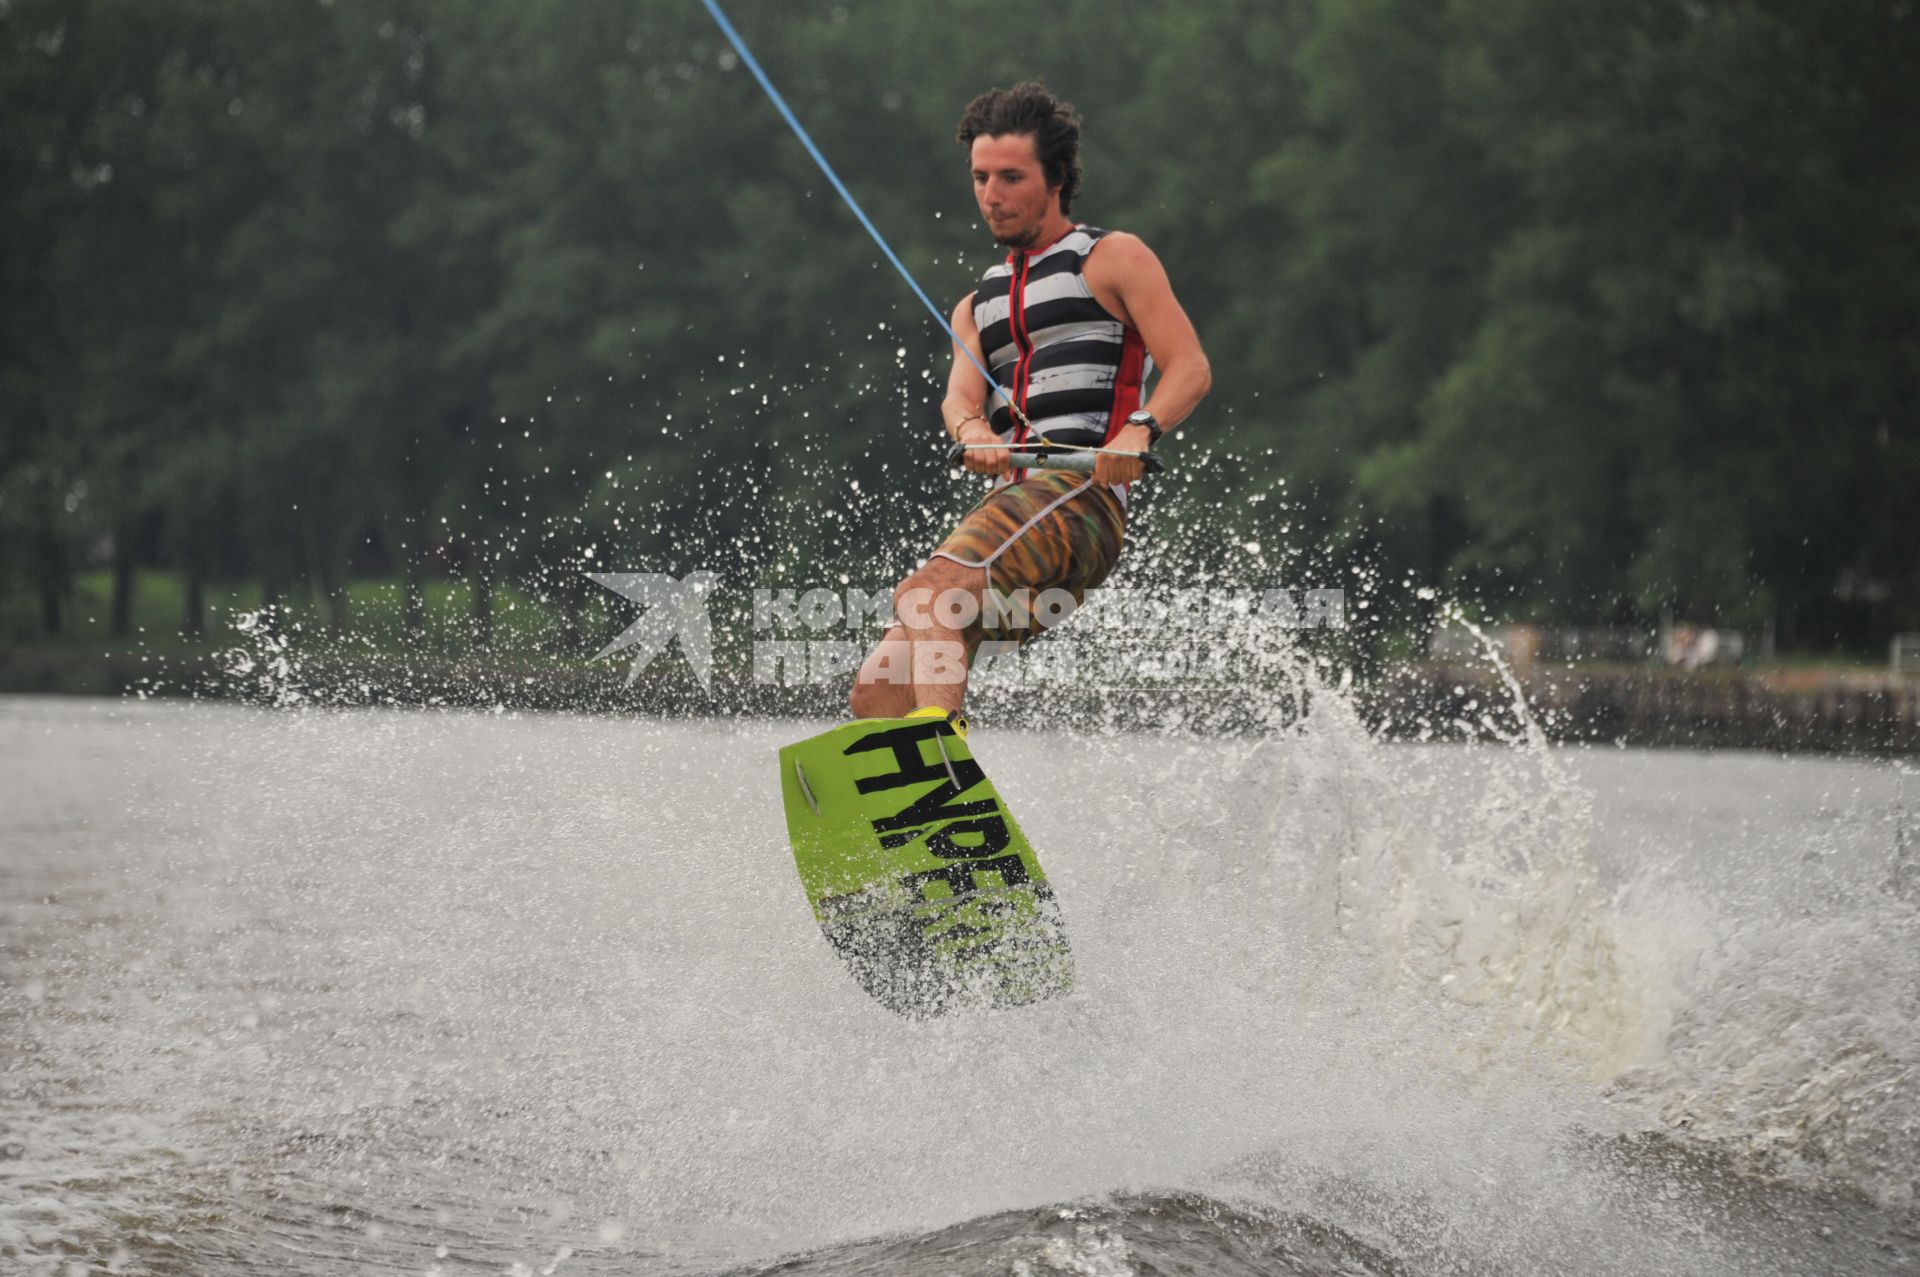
(753, 65)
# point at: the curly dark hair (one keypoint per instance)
(1030, 109)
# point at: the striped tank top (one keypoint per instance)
(1075, 370)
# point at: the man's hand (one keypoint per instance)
(1108, 468)
(987, 461)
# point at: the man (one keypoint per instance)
(1072, 324)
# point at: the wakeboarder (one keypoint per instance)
(1072, 324)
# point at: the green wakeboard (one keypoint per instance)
(918, 874)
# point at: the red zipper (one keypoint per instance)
(1024, 343)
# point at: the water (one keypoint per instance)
(401, 991)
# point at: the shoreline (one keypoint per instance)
(1789, 711)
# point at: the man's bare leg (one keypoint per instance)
(884, 686)
(921, 659)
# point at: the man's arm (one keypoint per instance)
(1124, 275)
(964, 408)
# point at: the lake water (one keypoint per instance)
(402, 991)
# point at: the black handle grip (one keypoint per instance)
(1043, 456)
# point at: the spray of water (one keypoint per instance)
(549, 977)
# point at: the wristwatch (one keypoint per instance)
(1145, 418)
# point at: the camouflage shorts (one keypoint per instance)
(1051, 531)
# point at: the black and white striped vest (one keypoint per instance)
(1074, 369)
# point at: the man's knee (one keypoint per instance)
(942, 593)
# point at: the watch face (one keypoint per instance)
(1140, 418)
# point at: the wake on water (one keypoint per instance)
(423, 989)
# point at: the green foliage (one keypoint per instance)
(1591, 309)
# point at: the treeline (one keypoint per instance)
(1592, 309)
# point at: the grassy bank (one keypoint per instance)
(374, 609)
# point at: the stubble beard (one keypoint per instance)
(1023, 239)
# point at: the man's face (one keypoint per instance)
(1011, 188)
